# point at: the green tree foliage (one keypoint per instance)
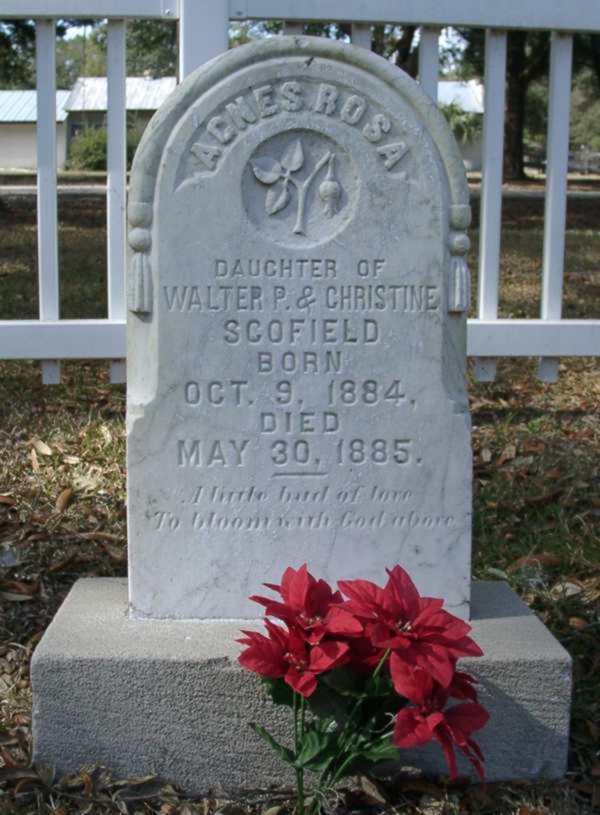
(395, 43)
(17, 51)
(89, 148)
(17, 54)
(151, 48)
(465, 126)
(587, 56)
(585, 116)
(81, 55)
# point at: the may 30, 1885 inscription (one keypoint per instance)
(297, 296)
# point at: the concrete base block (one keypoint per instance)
(169, 698)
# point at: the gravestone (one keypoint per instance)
(296, 359)
(297, 294)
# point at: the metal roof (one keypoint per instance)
(21, 106)
(89, 93)
(468, 96)
(143, 93)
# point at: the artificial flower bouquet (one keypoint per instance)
(366, 670)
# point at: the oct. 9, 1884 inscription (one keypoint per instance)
(297, 290)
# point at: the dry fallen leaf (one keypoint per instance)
(545, 498)
(486, 455)
(34, 460)
(114, 553)
(7, 498)
(536, 447)
(71, 459)
(64, 499)
(42, 448)
(578, 623)
(89, 481)
(274, 810)
(565, 589)
(18, 774)
(62, 564)
(372, 790)
(12, 597)
(543, 559)
(96, 536)
(593, 729)
(508, 454)
(19, 587)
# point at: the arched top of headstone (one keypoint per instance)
(148, 157)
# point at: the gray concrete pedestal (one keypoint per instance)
(169, 698)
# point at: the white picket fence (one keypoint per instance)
(203, 29)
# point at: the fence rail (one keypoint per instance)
(546, 15)
(203, 34)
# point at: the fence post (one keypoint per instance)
(362, 35)
(557, 165)
(429, 60)
(293, 28)
(116, 187)
(491, 189)
(45, 35)
(203, 32)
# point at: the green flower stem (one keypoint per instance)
(381, 663)
(340, 772)
(331, 775)
(299, 718)
(359, 702)
(302, 189)
(295, 697)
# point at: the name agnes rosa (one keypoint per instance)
(293, 97)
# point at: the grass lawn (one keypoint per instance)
(62, 512)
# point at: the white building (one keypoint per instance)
(87, 102)
(83, 106)
(469, 97)
(18, 121)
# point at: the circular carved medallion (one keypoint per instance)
(300, 188)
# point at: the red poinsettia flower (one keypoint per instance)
(416, 629)
(418, 686)
(428, 720)
(287, 655)
(309, 605)
(363, 657)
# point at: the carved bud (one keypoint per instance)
(330, 191)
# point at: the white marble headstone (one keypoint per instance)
(296, 333)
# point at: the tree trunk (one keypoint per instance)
(404, 56)
(516, 96)
(595, 53)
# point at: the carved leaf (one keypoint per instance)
(293, 158)
(277, 199)
(267, 170)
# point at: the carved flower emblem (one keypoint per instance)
(279, 176)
